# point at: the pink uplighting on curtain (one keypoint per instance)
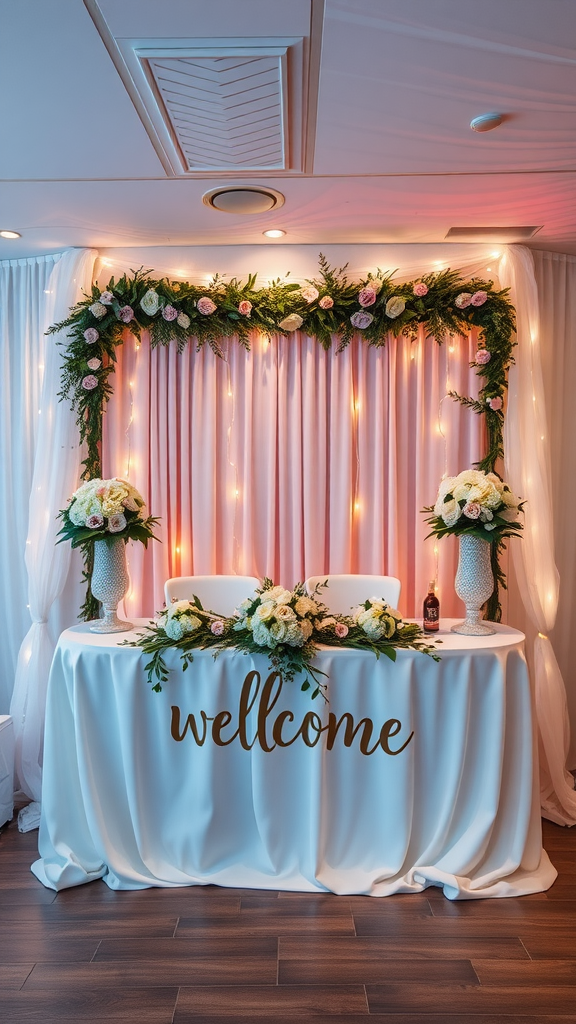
(289, 461)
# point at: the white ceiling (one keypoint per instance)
(378, 97)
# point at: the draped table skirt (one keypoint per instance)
(415, 773)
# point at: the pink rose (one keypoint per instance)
(94, 364)
(361, 320)
(482, 357)
(169, 313)
(95, 521)
(420, 289)
(205, 305)
(126, 314)
(367, 297)
(90, 382)
(217, 627)
(472, 510)
(309, 293)
(245, 307)
(91, 335)
(106, 298)
(326, 302)
(478, 299)
(494, 403)
(341, 630)
(117, 523)
(463, 300)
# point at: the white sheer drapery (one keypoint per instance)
(56, 470)
(23, 298)
(289, 461)
(527, 468)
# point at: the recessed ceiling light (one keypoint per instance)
(486, 122)
(10, 234)
(274, 233)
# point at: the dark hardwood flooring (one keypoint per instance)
(173, 956)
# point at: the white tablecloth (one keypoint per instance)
(456, 806)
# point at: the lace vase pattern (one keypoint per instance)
(110, 582)
(474, 584)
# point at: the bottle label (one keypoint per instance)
(432, 615)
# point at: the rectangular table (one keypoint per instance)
(416, 773)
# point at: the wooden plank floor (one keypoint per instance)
(178, 956)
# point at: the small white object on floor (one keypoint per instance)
(29, 817)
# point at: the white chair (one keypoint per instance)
(220, 594)
(346, 592)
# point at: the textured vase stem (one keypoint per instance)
(474, 584)
(110, 582)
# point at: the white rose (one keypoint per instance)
(150, 303)
(98, 309)
(451, 512)
(265, 611)
(291, 322)
(395, 306)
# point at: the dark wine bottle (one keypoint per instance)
(431, 615)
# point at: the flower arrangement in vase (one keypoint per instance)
(103, 515)
(482, 511)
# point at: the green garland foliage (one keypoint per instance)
(326, 308)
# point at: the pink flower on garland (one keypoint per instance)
(326, 302)
(217, 627)
(106, 298)
(95, 521)
(367, 297)
(494, 403)
(205, 305)
(420, 289)
(91, 335)
(341, 630)
(245, 307)
(94, 364)
(90, 382)
(483, 356)
(361, 320)
(478, 299)
(169, 313)
(463, 300)
(126, 314)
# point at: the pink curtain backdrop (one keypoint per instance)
(289, 461)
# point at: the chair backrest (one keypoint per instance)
(220, 594)
(346, 592)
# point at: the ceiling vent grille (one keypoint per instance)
(226, 113)
(495, 234)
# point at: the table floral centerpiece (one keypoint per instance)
(101, 517)
(288, 625)
(482, 511)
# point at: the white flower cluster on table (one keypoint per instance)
(102, 504)
(184, 618)
(281, 617)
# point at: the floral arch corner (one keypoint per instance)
(328, 308)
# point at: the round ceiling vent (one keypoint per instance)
(243, 199)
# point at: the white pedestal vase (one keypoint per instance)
(474, 584)
(110, 582)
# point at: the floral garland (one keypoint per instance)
(326, 308)
(285, 624)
